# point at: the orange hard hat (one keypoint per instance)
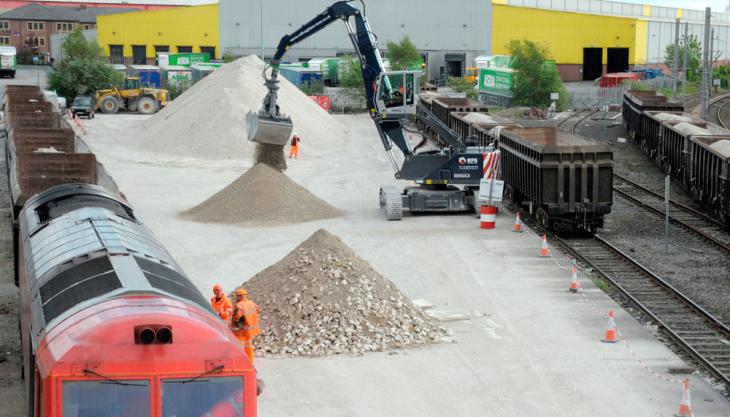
(241, 291)
(217, 287)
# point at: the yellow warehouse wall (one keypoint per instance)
(565, 33)
(642, 34)
(194, 26)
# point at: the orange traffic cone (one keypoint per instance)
(518, 224)
(574, 284)
(544, 250)
(685, 407)
(610, 330)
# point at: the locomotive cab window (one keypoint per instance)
(106, 398)
(209, 396)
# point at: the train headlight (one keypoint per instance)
(152, 334)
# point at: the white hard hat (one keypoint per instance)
(295, 133)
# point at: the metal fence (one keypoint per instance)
(605, 96)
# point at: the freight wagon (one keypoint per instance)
(565, 180)
(707, 175)
(478, 127)
(652, 125)
(635, 103)
(692, 151)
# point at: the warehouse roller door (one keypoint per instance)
(592, 66)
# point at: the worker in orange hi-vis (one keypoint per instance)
(245, 321)
(221, 303)
(294, 146)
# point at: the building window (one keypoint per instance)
(87, 27)
(4, 40)
(159, 49)
(4, 25)
(116, 54)
(36, 26)
(139, 54)
(184, 49)
(64, 27)
(210, 50)
(39, 41)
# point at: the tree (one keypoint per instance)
(350, 78)
(694, 58)
(82, 70)
(403, 55)
(76, 46)
(534, 79)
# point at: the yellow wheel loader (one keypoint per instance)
(131, 97)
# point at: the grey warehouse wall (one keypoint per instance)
(462, 26)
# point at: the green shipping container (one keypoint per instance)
(496, 81)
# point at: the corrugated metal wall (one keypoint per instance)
(432, 25)
(661, 34)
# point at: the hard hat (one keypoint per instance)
(295, 133)
(217, 287)
(241, 291)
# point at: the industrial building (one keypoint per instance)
(585, 38)
(588, 38)
(449, 44)
(137, 37)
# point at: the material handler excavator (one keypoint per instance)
(447, 178)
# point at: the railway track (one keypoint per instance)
(723, 113)
(571, 122)
(692, 222)
(697, 332)
(690, 327)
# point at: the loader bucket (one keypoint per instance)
(268, 130)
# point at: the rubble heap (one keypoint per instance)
(322, 299)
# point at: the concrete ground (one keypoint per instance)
(524, 345)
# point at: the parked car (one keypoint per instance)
(83, 106)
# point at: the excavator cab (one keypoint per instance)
(397, 93)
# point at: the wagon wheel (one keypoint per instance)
(511, 195)
(542, 218)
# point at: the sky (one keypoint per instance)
(717, 5)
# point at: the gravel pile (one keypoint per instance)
(262, 196)
(478, 118)
(690, 129)
(207, 121)
(322, 299)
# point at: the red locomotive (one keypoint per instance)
(111, 326)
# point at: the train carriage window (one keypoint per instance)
(215, 396)
(106, 399)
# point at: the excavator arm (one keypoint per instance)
(269, 126)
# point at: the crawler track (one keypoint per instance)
(691, 328)
(692, 222)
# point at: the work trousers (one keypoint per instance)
(294, 151)
(247, 343)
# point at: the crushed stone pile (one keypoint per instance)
(722, 146)
(669, 117)
(322, 299)
(208, 120)
(262, 196)
(478, 118)
(690, 129)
